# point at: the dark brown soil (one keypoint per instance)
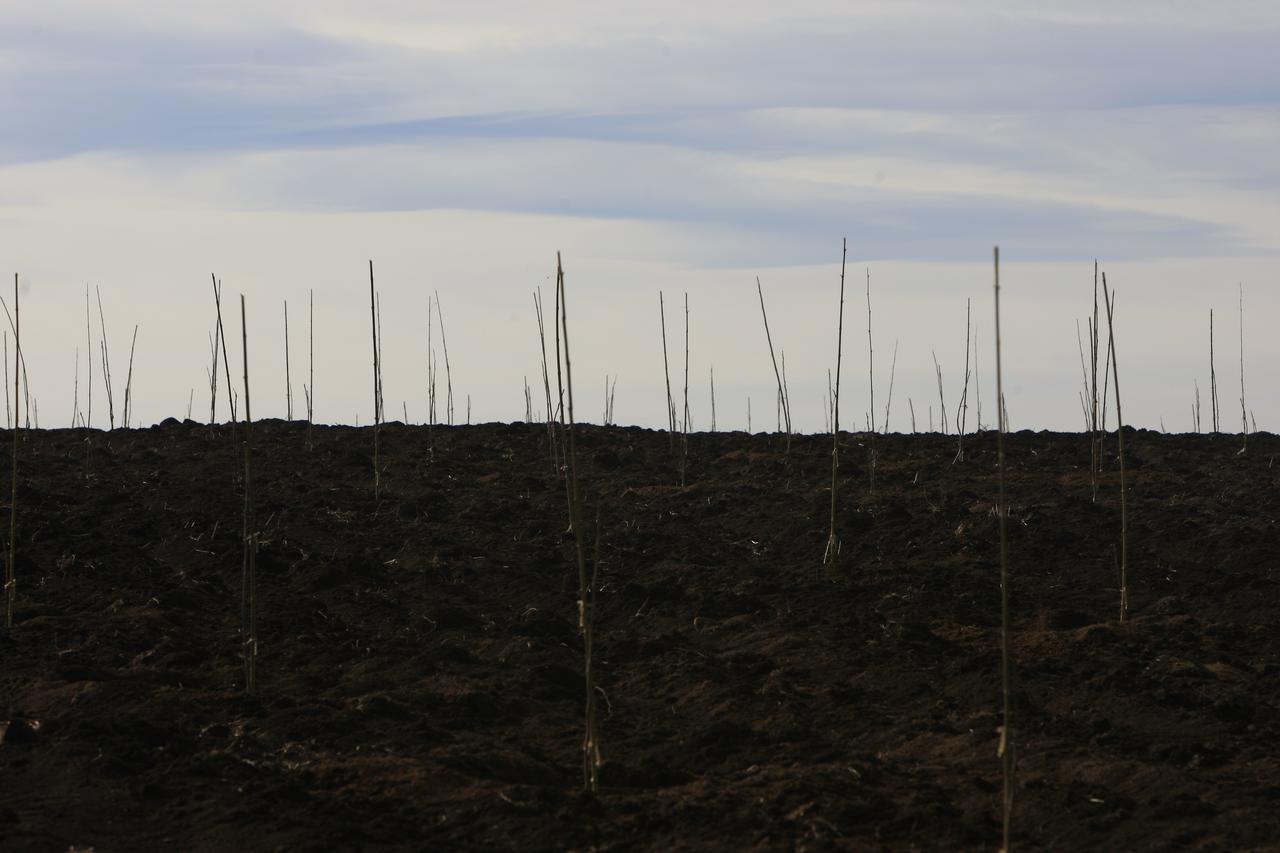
(420, 679)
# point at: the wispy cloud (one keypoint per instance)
(728, 136)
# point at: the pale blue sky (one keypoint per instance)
(461, 145)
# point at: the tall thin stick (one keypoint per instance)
(559, 416)
(448, 371)
(962, 415)
(382, 401)
(942, 400)
(431, 367)
(10, 573)
(666, 370)
(1124, 504)
(786, 394)
(213, 378)
(782, 397)
(546, 381)
(10, 416)
(684, 430)
(1213, 377)
(833, 543)
(1195, 410)
(226, 364)
(1106, 386)
(1006, 749)
(590, 743)
(1095, 429)
(128, 382)
(377, 422)
(871, 357)
(311, 355)
(828, 403)
(249, 569)
(977, 381)
(713, 398)
(75, 409)
(20, 370)
(288, 377)
(106, 362)
(893, 369)
(88, 332)
(1244, 415)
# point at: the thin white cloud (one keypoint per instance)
(669, 144)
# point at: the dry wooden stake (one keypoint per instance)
(448, 371)
(75, 408)
(1244, 416)
(10, 572)
(977, 382)
(833, 543)
(782, 396)
(684, 430)
(590, 741)
(106, 362)
(786, 396)
(212, 374)
(546, 382)
(128, 383)
(1124, 503)
(226, 363)
(827, 401)
(963, 414)
(666, 370)
(942, 402)
(893, 369)
(1095, 440)
(431, 383)
(377, 382)
(288, 379)
(559, 376)
(382, 406)
(8, 415)
(1006, 748)
(713, 398)
(560, 410)
(88, 331)
(1195, 411)
(249, 568)
(871, 355)
(20, 366)
(1213, 378)
(310, 389)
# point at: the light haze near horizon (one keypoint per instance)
(459, 146)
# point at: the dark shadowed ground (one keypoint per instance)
(420, 673)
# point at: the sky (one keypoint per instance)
(149, 146)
